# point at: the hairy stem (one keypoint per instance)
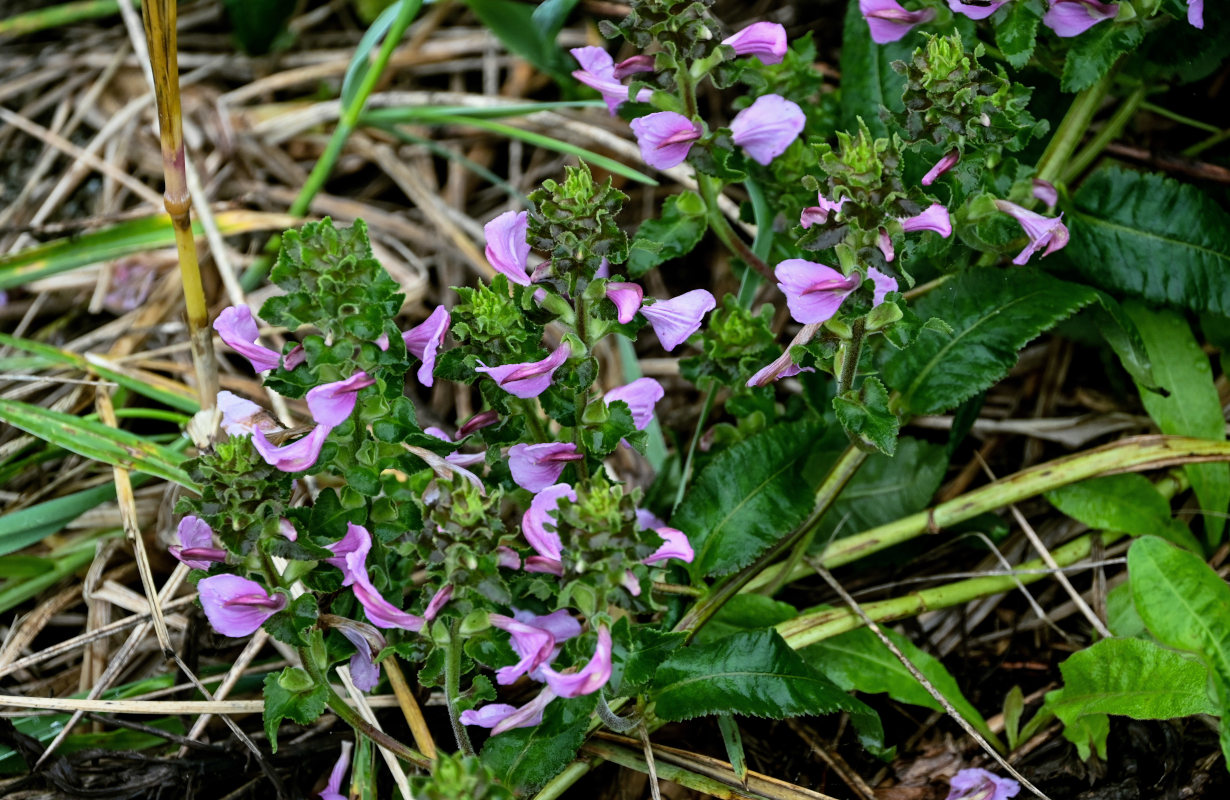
(452, 689)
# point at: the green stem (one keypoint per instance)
(717, 223)
(55, 16)
(533, 422)
(452, 689)
(1111, 131)
(700, 427)
(850, 355)
(1179, 118)
(1073, 127)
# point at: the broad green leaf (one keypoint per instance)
(1152, 237)
(859, 661)
(887, 488)
(550, 16)
(1191, 407)
(1129, 503)
(742, 613)
(291, 694)
(674, 234)
(1094, 52)
(1121, 615)
(867, 77)
(526, 758)
(993, 314)
(516, 27)
(1016, 32)
(746, 498)
(96, 441)
(1126, 677)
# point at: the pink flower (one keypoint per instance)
(1195, 13)
(236, 606)
(1073, 17)
(889, 21)
(949, 160)
(530, 378)
(627, 298)
(979, 784)
(196, 544)
(287, 529)
(477, 422)
(675, 544)
(241, 417)
(1048, 232)
(885, 243)
(598, 72)
(883, 285)
(642, 62)
(767, 127)
(819, 214)
(356, 540)
(237, 328)
(333, 790)
(534, 467)
(781, 367)
(296, 456)
(423, 340)
(1046, 192)
(766, 40)
(457, 458)
(331, 404)
(665, 138)
(676, 319)
(294, 357)
(813, 291)
(438, 601)
(508, 558)
(502, 717)
(641, 396)
(507, 248)
(381, 612)
(590, 679)
(934, 218)
(364, 670)
(534, 644)
(539, 515)
(976, 10)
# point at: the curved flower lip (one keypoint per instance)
(480, 420)
(456, 458)
(979, 784)
(534, 467)
(1048, 232)
(541, 513)
(333, 789)
(665, 138)
(641, 396)
(423, 340)
(507, 248)
(642, 62)
(533, 644)
(975, 11)
(813, 291)
(502, 717)
(1069, 18)
(819, 214)
(356, 540)
(364, 670)
(676, 319)
(1046, 192)
(198, 557)
(781, 367)
(590, 679)
(241, 416)
(933, 218)
(946, 163)
(294, 357)
(527, 379)
(883, 285)
(236, 606)
(551, 566)
(885, 243)
(296, 456)
(598, 72)
(675, 544)
(331, 404)
(237, 328)
(766, 40)
(438, 601)
(627, 298)
(381, 612)
(508, 558)
(767, 127)
(889, 21)
(287, 529)
(196, 540)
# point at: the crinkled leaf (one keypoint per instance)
(289, 624)
(679, 229)
(526, 758)
(1017, 31)
(291, 694)
(1129, 503)
(636, 662)
(866, 417)
(1094, 52)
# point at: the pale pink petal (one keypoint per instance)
(944, 164)
(641, 396)
(364, 671)
(294, 457)
(627, 298)
(287, 529)
(675, 544)
(438, 601)
(507, 248)
(332, 403)
(979, 784)
(598, 72)
(767, 127)
(423, 340)
(533, 644)
(508, 558)
(196, 544)
(534, 467)
(590, 679)
(883, 285)
(333, 790)
(933, 218)
(889, 21)
(676, 319)
(480, 420)
(665, 138)
(236, 606)
(1047, 193)
(1195, 13)
(766, 40)
(1069, 18)
(885, 243)
(240, 417)
(237, 328)
(976, 11)
(356, 540)
(542, 513)
(1048, 232)
(813, 291)
(381, 612)
(527, 379)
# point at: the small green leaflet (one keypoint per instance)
(291, 694)
(1129, 503)
(679, 229)
(1094, 52)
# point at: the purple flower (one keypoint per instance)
(781, 367)
(598, 72)
(885, 243)
(676, 319)
(1048, 232)
(508, 558)
(333, 790)
(530, 378)
(423, 340)
(632, 65)
(641, 396)
(381, 612)
(542, 513)
(536, 466)
(934, 218)
(294, 357)
(675, 544)
(813, 291)
(889, 21)
(507, 248)
(331, 404)
(533, 644)
(978, 784)
(1073, 17)
(237, 328)
(502, 717)
(364, 670)
(287, 529)
(978, 10)
(766, 40)
(356, 540)
(948, 161)
(438, 601)
(196, 544)
(627, 298)
(456, 458)
(590, 679)
(1195, 13)
(818, 215)
(665, 138)
(480, 420)
(1046, 192)
(296, 456)
(767, 127)
(237, 606)
(883, 285)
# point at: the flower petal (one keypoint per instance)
(766, 40)
(819, 214)
(975, 11)
(933, 218)
(240, 417)
(627, 298)
(236, 606)
(331, 404)
(949, 160)
(767, 127)
(527, 379)
(196, 535)
(423, 340)
(507, 248)
(1069, 18)
(665, 138)
(438, 601)
(237, 328)
(333, 790)
(1048, 232)
(813, 291)
(533, 644)
(294, 457)
(381, 612)
(883, 285)
(598, 72)
(676, 319)
(641, 396)
(542, 513)
(364, 671)
(675, 544)
(979, 784)
(889, 21)
(356, 540)
(534, 467)
(590, 679)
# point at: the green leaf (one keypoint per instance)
(1014, 707)
(20, 529)
(526, 758)
(866, 417)
(742, 613)
(859, 661)
(364, 53)
(1017, 31)
(550, 15)
(1152, 237)
(733, 742)
(291, 694)
(887, 488)
(746, 498)
(516, 27)
(993, 314)
(1126, 677)
(674, 234)
(1129, 503)
(257, 24)
(1094, 52)
(867, 77)
(1121, 334)
(1191, 408)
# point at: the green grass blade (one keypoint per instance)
(427, 113)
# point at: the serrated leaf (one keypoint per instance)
(288, 696)
(1126, 677)
(1191, 407)
(742, 613)
(993, 313)
(526, 758)
(887, 488)
(1151, 237)
(746, 498)
(1129, 503)
(866, 417)
(675, 233)
(1094, 52)
(1016, 32)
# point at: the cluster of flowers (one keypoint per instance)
(889, 21)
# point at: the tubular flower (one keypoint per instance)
(944, 164)
(196, 544)
(632, 65)
(542, 513)
(976, 10)
(381, 612)
(530, 378)
(356, 540)
(534, 467)
(641, 396)
(598, 72)
(813, 291)
(438, 601)
(237, 328)
(627, 298)
(590, 679)
(889, 21)
(507, 248)
(364, 670)
(819, 214)
(424, 339)
(934, 218)
(534, 646)
(1073, 17)
(241, 417)
(979, 784)
(676, 319)
(1046, 192)
(1048, 232)
(766, 40)
(236, 606)
(331, 404)
(675, 544)
(767, 127)
(294, 457)
(333, 790)
(456, 458)
(477, 422)
(502, 717)
(665, 138)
